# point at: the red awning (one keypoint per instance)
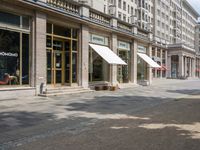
(197, 70)
(163, 68)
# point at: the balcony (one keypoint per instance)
(124, 27)
(64, 5)
(142, 35)
(99, 17)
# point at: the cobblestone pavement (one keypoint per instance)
(164, 116)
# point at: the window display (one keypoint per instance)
(14, 71)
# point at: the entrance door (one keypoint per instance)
(123, 71)
(62, 63)
(58, 65)
(58, 62)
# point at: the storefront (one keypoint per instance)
(14, 50)
(62, 55)
(144, 63)
(141, 64)
(101, 60)
(124, 49)
(174, 66)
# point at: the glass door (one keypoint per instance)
(58, 46)
(123, 71)
(58, 72)
(62, 56)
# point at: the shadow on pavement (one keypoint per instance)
(188, 92)
(140, 116)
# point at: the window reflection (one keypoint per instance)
(10, 71)
(9, 57)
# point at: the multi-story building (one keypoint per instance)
(174, 28)
(48, 45)
(197, 47)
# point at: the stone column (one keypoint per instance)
(113, 70)
(40, 52)
(193, 67)
(84, 69)
(156, 55)
(166, 61)
(32, 65)
(169, 59)
(161, 63)
(180, 66)
(186, 68)
(149, 76)
(84, 42)
(134, 62)
(190, 67)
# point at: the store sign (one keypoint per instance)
(8, 54)
(142, 49)
(97, 39)
(124, 45)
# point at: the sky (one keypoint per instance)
(195, 4)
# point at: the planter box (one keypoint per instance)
(105, 87)
(97, 88)
(144, 83)
(113, 88)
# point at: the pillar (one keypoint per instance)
(180, 66)
(113, 70)
(40, 52)
(186, 66)
(193, 67)
(134, 62)
(190, 67)
(156, 55)
(84, 52)
(169, 60)
(161, 63)
(149, 53)
(166, 61)
(84, 56)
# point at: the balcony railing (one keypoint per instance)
(124, 27)
(142, 35)
(99, 18)
(64, 5)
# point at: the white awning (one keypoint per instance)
(107, 54)
(148, 60)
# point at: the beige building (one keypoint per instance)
(197, 47)
(51, 47)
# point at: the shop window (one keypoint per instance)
(49, 42)
(49, 28)
(25, 22)
(62, 31)
(10, 19)
(97, 67)
(15, 20)
(25, 59)
(74, 34)
(74, 45)
(141, 69)
(14, 71)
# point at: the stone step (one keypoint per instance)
(63, 88)
(62, 91)
(65, 91)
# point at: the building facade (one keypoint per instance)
(197, 47)
(48, 44)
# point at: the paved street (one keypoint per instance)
(164, 116)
